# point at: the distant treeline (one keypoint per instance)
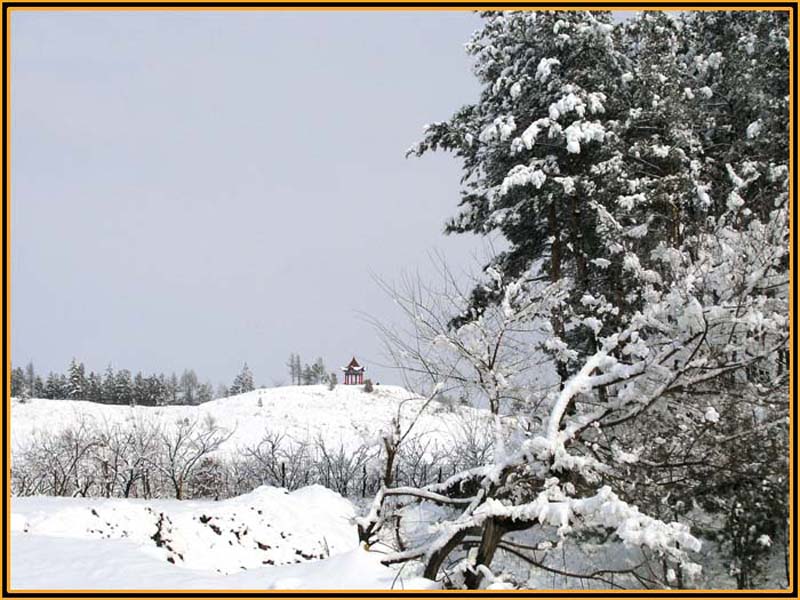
(309, 374)
(123, 387)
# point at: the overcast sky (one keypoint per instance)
(199, 189)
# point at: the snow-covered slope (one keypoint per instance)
(40, 563)
(268, 526)
(346, 415)
(268, 539)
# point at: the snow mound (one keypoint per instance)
(268, 526)
(267, 539)
(40, 563)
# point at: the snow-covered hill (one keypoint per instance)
(268, 538)
(346, 415)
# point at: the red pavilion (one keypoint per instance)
(353, 373)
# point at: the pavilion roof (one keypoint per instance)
(353, 366)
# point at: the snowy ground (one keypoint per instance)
(346, 415)
(268, 539)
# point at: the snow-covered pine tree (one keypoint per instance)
(319, 371)
(205, 392)
(53, 388)
(154, 390)
(77, 381)
(94, 387)
(139, 390)
(307, 375)
(17, 381)
(243, 382)
(622, 162)
(548, 111)
(109, 386)
(24, 394)
(720, 156)
(248, 385)
(123, 387)
(30, 378)
(38, 387)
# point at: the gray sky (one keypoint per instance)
(199, 189)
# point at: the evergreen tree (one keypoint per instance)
(17, 381)
(644, 139)
(53, 388)
(30, 379)
(205, 392)
(94, 387)
(139, 390)
(319, 371)
(307, 375)
(62, 386)
(243, 382)
(164, 390)
(77, 381)
(532, 144)
(154, 395)
(109, 388)
(639, 174)
(123, 387)
(114, 387)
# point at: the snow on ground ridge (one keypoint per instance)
(268, 539)
(345, 416)
(268, 526)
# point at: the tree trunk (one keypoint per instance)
(178, 490)
(437, 558)
(391, 453)
(492, 534)
(555, 252)
(128, 487)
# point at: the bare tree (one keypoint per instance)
(491, 357)
(142, 450)
(184, 446)
(279, 460)
(58, 463)
(422, 460)
(340, 468)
